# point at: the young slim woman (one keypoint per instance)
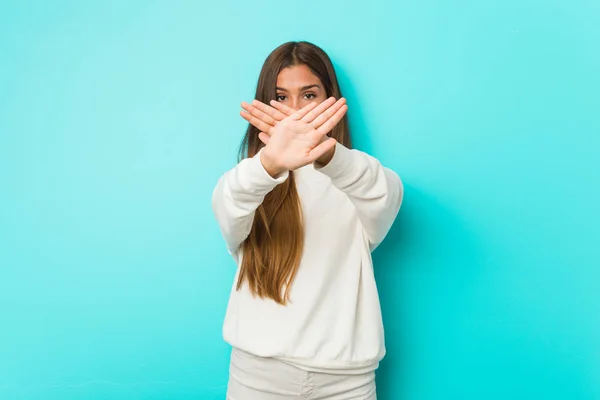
(301, 213)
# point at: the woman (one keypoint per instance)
(301, 213)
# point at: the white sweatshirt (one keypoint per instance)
(333, 320)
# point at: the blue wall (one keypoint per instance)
(117, 118)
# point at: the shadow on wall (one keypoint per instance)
(425, 242)
(413, 270)
(356, 118)
(449, 319)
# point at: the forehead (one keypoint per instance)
(296, 76)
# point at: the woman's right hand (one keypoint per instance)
(299, 139)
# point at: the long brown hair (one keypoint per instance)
(273, 249)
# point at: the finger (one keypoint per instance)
(272, 112)
(309, 117)
(333, 120)
(320, 120)
(321, 149)
(282, 107)
(304, 110)
(264, 137)
(258, 113)
(256, 122)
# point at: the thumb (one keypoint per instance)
(322, 148)
(264, 137)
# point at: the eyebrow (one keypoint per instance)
(301, 89)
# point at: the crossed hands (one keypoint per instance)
(295, 138)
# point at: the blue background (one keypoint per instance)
(117, 118)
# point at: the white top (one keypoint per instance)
(333, 320)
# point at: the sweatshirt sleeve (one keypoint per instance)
(238, 194)
(375, 191)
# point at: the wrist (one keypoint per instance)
(325, 158)
(270, 165)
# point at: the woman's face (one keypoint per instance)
(297, 86)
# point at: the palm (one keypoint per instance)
(292, 141)
(295, 138)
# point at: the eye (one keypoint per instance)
(310, 95)
(280, 97)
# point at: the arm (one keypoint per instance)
(238, 194)
(375, 191)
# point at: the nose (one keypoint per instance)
(296, 104)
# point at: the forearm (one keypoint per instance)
(376, 191)
(237, 195)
